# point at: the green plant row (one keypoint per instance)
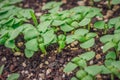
(74, 23)
(89, 72)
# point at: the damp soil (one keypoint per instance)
(50, 67)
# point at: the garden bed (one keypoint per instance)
(51, 66)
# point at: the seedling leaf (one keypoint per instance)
(13, 76)
(70, 67)
(87, 55)
(88, 43)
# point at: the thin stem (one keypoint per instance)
(112, 76)
(92, 1)
(109, 4)
(34, 18)
(89, 26)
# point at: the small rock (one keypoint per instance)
(46, 62)
(3, 59)
(40, 78)
(26, 72)
(41, 65)
(73, 49)
(48, 71)
(81, 3)
(63, 75)
(115, 8)
(38, 14)
(42, 75)
(98, 56)
(34, 79)
(99, 18)
(20, 44)
(17, 53)
(91, 62)
(23, 64)
(98, 76)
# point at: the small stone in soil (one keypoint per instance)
(48, 71)
(98, 56)
(17, 53)
(23, 64)
(3, 59)
(46, 62)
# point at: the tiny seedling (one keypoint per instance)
(61, 42)
(111, 41)
(13, 76)
(1, 69)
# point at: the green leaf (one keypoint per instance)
(30, 33)
(81, 32)
(13, 76)
(116, 38)
(97, 0)
(82, 63)
(106, 38)
(116, 64)
(91, 35)
(108, 62)
(80, 74)
(75, 24)
(15, 33)
(1, 69)
(48, 37)
(51, 5)
(93, 70)
(108, 46)
(70, 67)
(29, 53)
(115, 2)
(76, 59)
(99, 25)
(105, 70)
(88, 43)
(88, 77)
(111, 55)
(73, 78)
(66, 28)
(32, 45)
(57, 23)
(87, 55)
(10, 44)
(42, 27)
(85, 22)
(118, 46)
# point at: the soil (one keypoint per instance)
(50, 67)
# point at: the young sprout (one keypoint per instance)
(34, 18)
(61, 42)
(101, 25)
(42, 46)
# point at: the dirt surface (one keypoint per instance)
(51, 66)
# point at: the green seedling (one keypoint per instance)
(61, 42)
(85, 38)
(101, 25)
(79, 61)
(13, 76)
(111, 41)
(52, 6)
(85, 72)
(1, 69)
(112, 65)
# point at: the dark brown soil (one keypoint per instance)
(51, 66)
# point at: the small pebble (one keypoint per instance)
(48, 71)
(17, 53)
(23, 64)
(46, 62)
(20, 44)
(3, 59)
(91, 62)
(98, 56)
